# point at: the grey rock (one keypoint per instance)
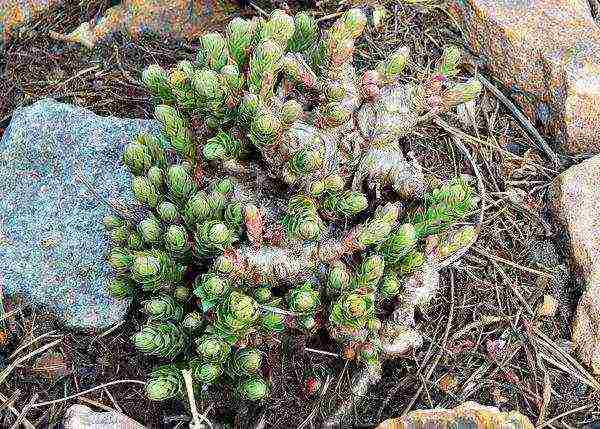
(82, 417)
(52, 243)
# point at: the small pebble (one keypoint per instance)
(548, 306)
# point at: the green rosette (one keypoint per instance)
(120, 259)
(162, 308)
(168, 213)
(193, 322)
(236, 315)
(206, 373)
(213, 348)
(338, 278)
(246, 362)
(155, 78)
(161, 339)
(369, 272)
(176, 240)
(211, 288)
(353, 310)
(390, 286)
(253, 389)
(239, 33)
(399, 243)
(165, 382)
(179, 183)
(121, 288)
(213, 237)
(150, 230)
(306, 33)
(272, 323)
(303, 299)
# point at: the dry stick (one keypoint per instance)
(189, 387)
(513, 264)
(24, 422)
(443, 124)
(521, 119)
(10, 368)
(590, 380)
(566, 413)
(35, 340)
(321, 352)
(442, 347)
(26, 409)
(133, 424)
(85, 392)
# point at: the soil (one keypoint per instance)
(484, 339)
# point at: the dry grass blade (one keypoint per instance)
(513, 264)
(557, 356)
(484, 321)
(29, 343)
(522, 119)
(189, 387)
(546, 395)
(442, 346)
(85, 392)
(318, 402)
(26, 409)
(7, 403)
(560, 416)
(10, 368)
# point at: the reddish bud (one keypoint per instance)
(254, 224)
(371, 92)
(371, 77)
(312, 386)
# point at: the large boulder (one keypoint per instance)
(178, 19)
(15, 13)
(547, 54)
(575, 200)
(52, 243)
(467, 415)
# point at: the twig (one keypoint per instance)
(443, 124)
(521, 119)
(9, 407)
(10, 368)
(189, 387)
(258, 9)
(442, 348)
(133, 424)
(319, 400)
(35, 340)
(513, 264)
(278, 310)
(322, 352)
(85, 392)
(560, 416)
(330, 16)
(26, 409)
(81, 73)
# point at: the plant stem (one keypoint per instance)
(189, 387)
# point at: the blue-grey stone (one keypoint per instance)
(52, 243)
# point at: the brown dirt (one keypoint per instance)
(482, 327)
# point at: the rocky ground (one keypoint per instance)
(499, 333)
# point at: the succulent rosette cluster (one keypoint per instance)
(277, 201)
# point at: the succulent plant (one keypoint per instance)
(222, 262)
